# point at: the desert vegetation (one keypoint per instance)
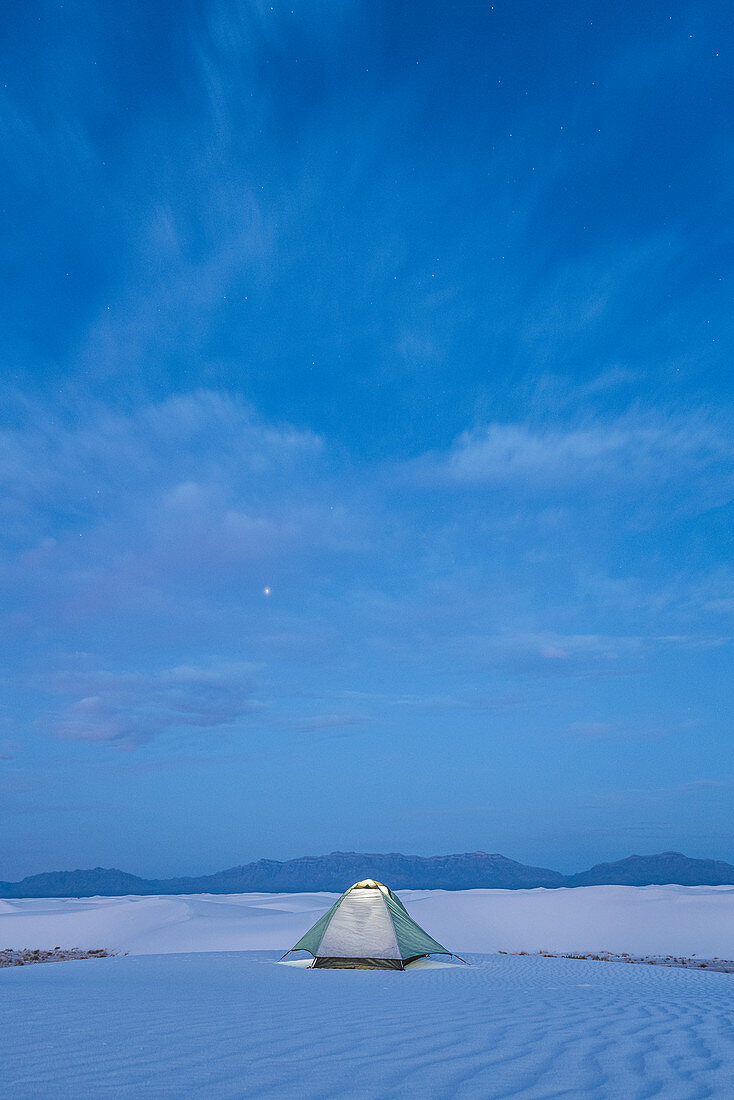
(723, 966)
(26, 956)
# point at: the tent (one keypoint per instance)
(368, 928)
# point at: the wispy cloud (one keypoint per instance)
(193, 491)
(492, 703)
(333, 725)
(636, 730)
(130, 709)
(572, 654)
(660, 794)
(84, 448)
(638, 450)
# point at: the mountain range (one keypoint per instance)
(335, 872)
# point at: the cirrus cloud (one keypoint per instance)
(690, 455)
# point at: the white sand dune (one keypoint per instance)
(660, 920)
(237, 1025)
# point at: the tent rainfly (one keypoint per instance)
(368, 928)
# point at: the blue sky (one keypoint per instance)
(366, 431)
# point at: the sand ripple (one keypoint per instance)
(235, 1025)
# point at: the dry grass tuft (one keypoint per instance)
(9, 956)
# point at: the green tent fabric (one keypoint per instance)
(412, 940)
(310, 942)
(368, 928)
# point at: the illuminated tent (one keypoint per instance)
(368, 928)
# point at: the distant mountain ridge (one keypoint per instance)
(335, 872)
(657, 871)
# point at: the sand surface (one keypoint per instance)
(237, 1024)
(201, 1007)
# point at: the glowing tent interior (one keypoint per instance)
(368, 928)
